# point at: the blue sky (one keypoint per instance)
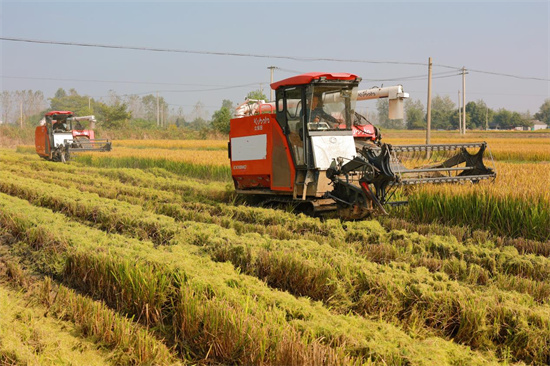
(496, 36)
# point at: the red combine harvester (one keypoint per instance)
(60, 133)
(309, 148)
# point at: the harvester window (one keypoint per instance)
(280, 105)
(58, 126)
(330, 108)
(295, 123)
(294, 108)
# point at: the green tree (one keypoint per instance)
(229, 105)
(115, 116)
(220, 120)
(180, 121)
(257, 94)
(197, 124)
(142, 123)
(78, 104)
(60, 93)
(544, 112)
(477, 113)
(414, 115)
(151, 106)
(198, 112)
(507, 120)
(382, 106)
(180, 118)
(442, 110)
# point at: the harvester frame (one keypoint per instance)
(292, 150)
(60, 134)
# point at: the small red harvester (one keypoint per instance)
(61, 133)
(309, 148)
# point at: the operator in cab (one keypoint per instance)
(317, 112)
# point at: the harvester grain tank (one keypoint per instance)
(311, 149)
(61, 133)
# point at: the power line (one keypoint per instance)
(417, 77)
(481, 93)
(295, 58)
(508, 75)
(290, 71)
(201, 90)
(414, 77)
(106, 81)
(218, 87)
(172, 50)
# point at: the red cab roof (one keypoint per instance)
(307, 78)
(58, 112)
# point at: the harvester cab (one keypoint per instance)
(60, 134)
(311, 149)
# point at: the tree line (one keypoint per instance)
(446, 115)
(27, 107)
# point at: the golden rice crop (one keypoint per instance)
(429, 286)
(188, 156)
(517, 204)
(221, 309)
(211, 165)
(173, 144)
(527, 181)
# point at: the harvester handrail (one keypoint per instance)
(260, 108)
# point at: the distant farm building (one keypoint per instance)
(538, 125)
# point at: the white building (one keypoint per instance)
(538, 125)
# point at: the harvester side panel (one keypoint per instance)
(258, 149)
(41, 141)
(281, 162)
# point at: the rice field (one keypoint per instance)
(145, 256)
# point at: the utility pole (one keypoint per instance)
(21, 112)
(429, 111)
(158, 110)
(463, 100)
(459, 115)
(271, 90)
